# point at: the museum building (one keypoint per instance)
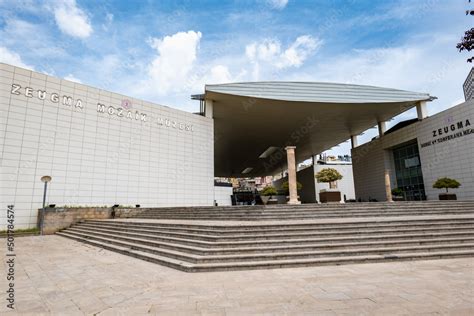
(103, 148)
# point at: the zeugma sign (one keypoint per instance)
(43, 95)
(451, 130)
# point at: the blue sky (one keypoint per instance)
(164, 51)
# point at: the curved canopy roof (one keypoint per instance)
(316, 92)
(254, 118)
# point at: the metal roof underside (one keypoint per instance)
(253, 116)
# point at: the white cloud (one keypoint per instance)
(296, 54)
(176, 71)
(218, 74)
(12, 58)
(71, 77)
(268, 53)
(277, 4)
(71, 20)
(176, 57)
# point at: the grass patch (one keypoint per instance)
(21, 231)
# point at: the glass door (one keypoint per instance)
(408, 171)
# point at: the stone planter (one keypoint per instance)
(447, 196)
(273, 200)
(265, 199)
(326, 196)
(398, 198)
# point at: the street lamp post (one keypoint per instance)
(45, 180)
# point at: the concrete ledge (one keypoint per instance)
(56, 219)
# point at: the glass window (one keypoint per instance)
(408, 171)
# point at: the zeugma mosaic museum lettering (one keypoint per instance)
(123, 110)
(451, 130)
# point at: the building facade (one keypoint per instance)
(102, 148)
(99, 147)
(417, 155)
(468, 86)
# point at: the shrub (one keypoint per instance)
(397, 192)
(269, 190)
(286, 186)
(446, 183)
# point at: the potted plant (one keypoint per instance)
(447, 183)
(267, 193)
(398, 194)
(329, 175)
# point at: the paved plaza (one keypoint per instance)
(58, 276)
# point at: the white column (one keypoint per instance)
(388, 187)
(354, 142)
(292, 186)
(208, 108)
(382, 128)
(421, 110)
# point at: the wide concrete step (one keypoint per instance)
(314, 215)
(289, 234)
(294, 236)
(282, 211)
(317, 225)
(193, 258)
(305, 211)
(310, 208)
(328, 206)
(280, 235)
(375, 227)
(317, 207)
(317, 245)
(266, 264)
(271, 242)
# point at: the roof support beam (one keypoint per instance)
(421, 110)
(354, 141)
(382, 128)
(208, 108)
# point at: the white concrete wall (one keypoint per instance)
(452, 158)
(306, 178)
(345, 185)
(222, 195)
(97, 158)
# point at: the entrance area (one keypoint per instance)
(408, 171)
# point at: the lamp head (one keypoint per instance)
(45, 179)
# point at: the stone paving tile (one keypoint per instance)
(58, 276)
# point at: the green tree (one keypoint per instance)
(329, 175)
(467, 41)
(446, 183)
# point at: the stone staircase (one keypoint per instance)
(307, 211)
(243, 238)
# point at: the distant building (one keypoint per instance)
(469, 86)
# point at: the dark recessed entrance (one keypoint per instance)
(408, 171)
